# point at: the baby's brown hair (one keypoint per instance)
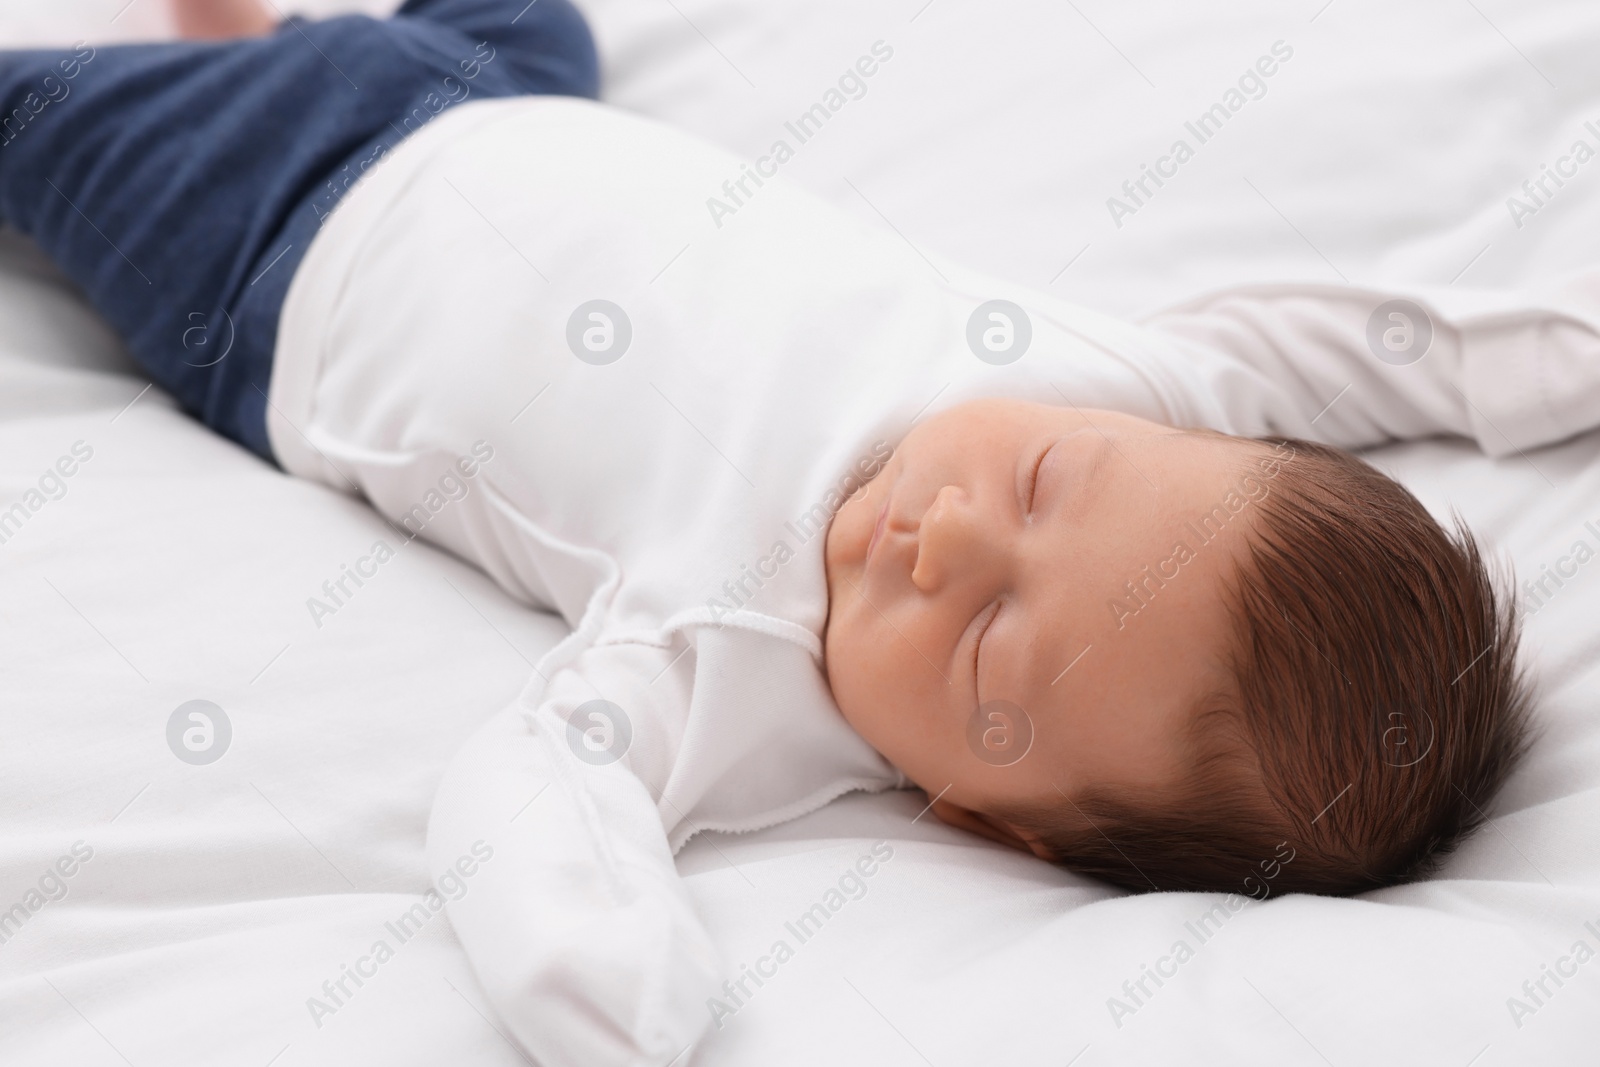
(1376, 705)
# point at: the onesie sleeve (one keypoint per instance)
(580, 931)
(1357, 367)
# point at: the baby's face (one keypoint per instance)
(985, 563)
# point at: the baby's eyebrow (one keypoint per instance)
(1099, 466)
(1095, 478)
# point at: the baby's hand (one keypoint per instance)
(218, 19)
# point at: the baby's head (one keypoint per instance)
(1172, 659)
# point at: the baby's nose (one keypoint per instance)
(947, 539)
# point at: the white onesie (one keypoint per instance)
(671, 408)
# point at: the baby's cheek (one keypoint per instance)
(863, 677)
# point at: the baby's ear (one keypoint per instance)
(992, 828)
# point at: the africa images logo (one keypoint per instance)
(199, 732)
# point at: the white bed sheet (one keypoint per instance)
(176, 567)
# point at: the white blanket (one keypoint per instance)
(221, 899)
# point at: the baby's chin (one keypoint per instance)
(845, 547)
(844, 642)
(832, 565)
(841, 559)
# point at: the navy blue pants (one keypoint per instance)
(179, 184)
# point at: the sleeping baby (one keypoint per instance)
(824, 514)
